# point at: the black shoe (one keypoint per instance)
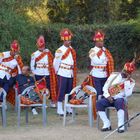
(69, 113)
(106, 129)
(1, 98)
(120, 131)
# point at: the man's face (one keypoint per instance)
(125, 74)
(67, 43)
(14, 53)
(26, 70)
(99, 44)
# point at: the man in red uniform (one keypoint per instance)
(65, 68)
(101, 62)
(10, 62)
(117, 88)
(42, 67)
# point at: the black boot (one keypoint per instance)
(60, 115)
(69, 113)
(120, 131)
(1, 97)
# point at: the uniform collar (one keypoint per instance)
(40, 51)
(66, 47)
(97, 48)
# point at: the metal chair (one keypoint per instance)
(43, 105)
(87, 104)
(107, 110)
(16, 98)
(3, 107)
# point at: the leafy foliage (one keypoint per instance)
(92, 11)
(14, 24)
(129, 9)
(122, 39)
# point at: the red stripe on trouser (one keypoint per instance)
(123, 104)
(60, 79)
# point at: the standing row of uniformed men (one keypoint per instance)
(43, 65)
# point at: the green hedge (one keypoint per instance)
(121, 39)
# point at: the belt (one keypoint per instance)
(42, 67)
(4, 70)
(65, 68)
(66, 64)
(7, 68)
(99, 67)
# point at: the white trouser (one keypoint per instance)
(103, 116)
(106, 122)
(120, 114)
(60, 108)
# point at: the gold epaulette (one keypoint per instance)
(58, 51)
(32, 54)
(1, 55)
(92, 52)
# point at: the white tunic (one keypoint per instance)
(63, 67)
(98, 61)
(117, 78)
(40, 67)
(10, 64)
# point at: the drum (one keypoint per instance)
(82, 93)
(35, 97)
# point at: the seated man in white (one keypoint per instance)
(117, 87)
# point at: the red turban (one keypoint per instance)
(15, 46)
(66, 34)
(129, 67)
(99, 36)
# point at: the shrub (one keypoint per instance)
(121, 39)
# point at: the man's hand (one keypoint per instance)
(14, 74)
(72, 67)
(100, 97)
(25, 84)
(110, 99)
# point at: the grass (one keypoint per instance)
(78, 130)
